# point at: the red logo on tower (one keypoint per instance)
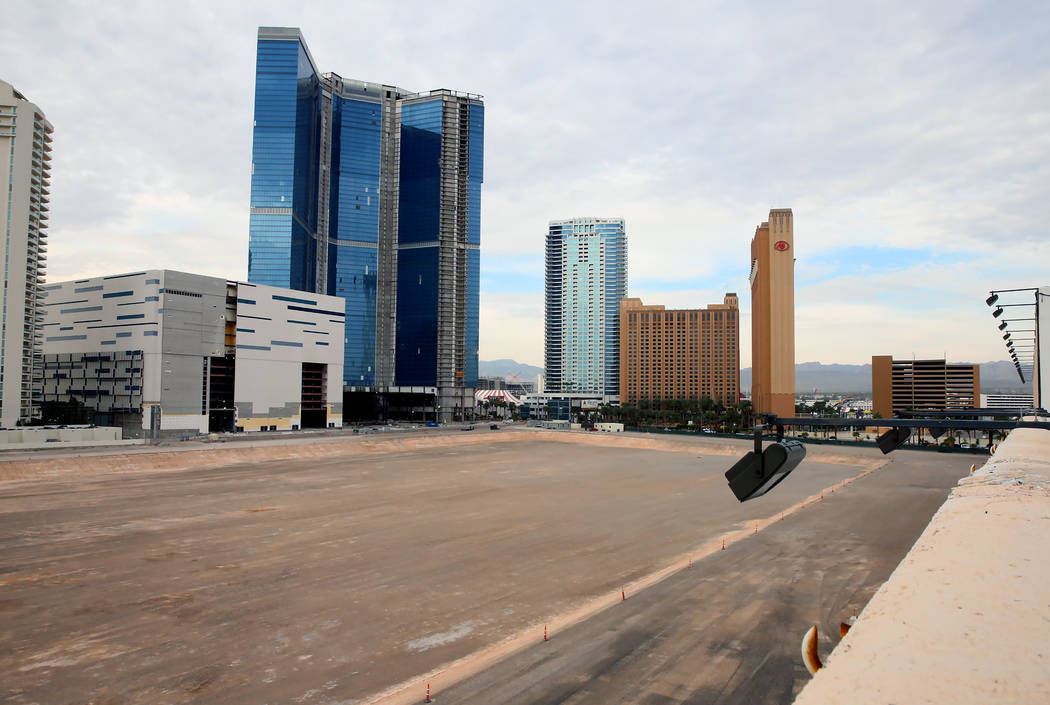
(781, 246)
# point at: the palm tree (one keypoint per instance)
(746, 413)
(732, 417)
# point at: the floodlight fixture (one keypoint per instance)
(761, 470)
(997, 312)
(1002, 326)
(1006, 336)
(992, 299)
(893, 439)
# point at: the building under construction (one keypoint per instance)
(372, 193)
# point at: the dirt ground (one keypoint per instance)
(329, 579)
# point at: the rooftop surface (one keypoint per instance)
(357, 568)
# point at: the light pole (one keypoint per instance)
(1025, 352)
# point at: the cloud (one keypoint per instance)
(510, 328)
(922, 128)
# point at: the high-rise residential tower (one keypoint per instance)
(372, 193)
(673, 354)
(586, 278)
(25, 152)
(773, 315)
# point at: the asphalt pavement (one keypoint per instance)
(728, 629)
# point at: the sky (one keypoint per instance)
(911, 140)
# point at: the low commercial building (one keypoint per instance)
(922, 385)
(1006, 401)
(520, 389)
(166, 353)
(680, 353)
(565, 406)
(491, 383)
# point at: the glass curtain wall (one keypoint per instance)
(418, 233)
(291, 136)
(283, 220)
(613, 263)
(354, 230)
(475, 176)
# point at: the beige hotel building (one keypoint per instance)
(679, 353)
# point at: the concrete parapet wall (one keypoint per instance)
(965, 617)
(43, 434)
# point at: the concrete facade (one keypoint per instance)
(922, 385)
(167, 353)
(773, 314)
(25, 152)
(681, 353)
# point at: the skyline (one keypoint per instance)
(912, 147)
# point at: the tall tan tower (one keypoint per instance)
(773, 315)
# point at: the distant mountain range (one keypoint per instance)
(509, 369)
(834, 378)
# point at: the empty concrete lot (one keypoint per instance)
(330, 579)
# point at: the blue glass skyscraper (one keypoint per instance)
(372, 193)
(586, 279)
